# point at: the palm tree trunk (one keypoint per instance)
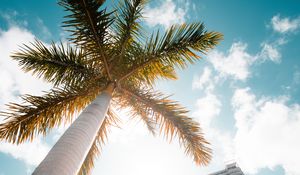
(68, 154)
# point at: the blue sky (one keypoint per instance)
(244, 93)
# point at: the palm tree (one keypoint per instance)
(109, 64)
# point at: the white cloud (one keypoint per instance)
(165, 14)
(11, 18)
(234, 64)
(208, 108)
(15, 82)
(237, 63)
(271, 52)
(7, 89)
(285, 25)
(267, 132)
(205, 81)
(31, 153)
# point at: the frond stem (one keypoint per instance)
(98, 43)
(136, 69)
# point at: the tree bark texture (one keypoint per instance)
(68, 154)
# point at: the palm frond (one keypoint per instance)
(88, 24)
(181, 42)
(111, 119)
(127, 24)
(58, 64)
(37, 115)
(173, 121)
(176, 47)
(147, 74)
(136, 110)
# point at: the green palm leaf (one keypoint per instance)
(127, 24)
(146, 74)
(88, 25)
(176, 47)
(57, 64)
(87, 22)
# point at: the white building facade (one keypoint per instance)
(231, 169)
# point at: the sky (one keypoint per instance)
(244, 93)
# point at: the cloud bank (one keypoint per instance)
(267, 132)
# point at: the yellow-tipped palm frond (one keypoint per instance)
(37, 115)
(136, 110)
(147, 74)
(172, 120)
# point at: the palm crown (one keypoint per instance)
(110, 48)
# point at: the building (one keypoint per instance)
(231, 169)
